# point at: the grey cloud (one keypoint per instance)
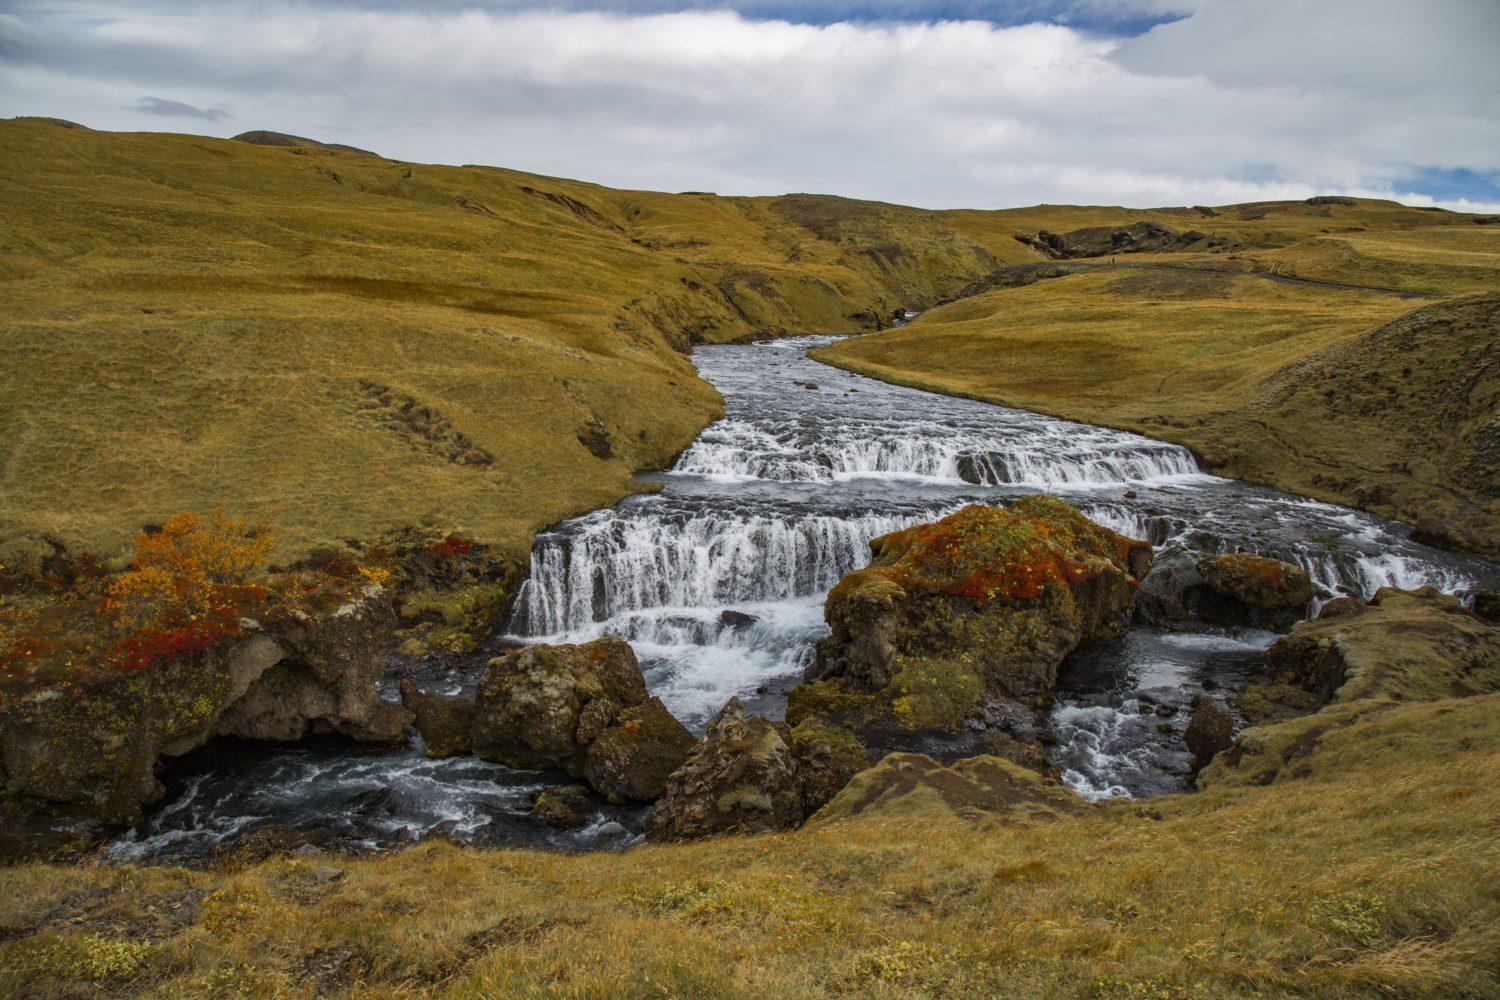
(162, 106)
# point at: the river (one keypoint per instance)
(760, 517)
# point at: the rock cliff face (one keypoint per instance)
(980, 606)
(81, 761)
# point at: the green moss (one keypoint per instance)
(934, 694)
(825, 700)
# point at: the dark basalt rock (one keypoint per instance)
(563, 806)
(1209, 732)
(445, 723)
(1234, 589)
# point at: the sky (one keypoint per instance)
(938, 103)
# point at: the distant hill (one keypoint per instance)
(195, 321)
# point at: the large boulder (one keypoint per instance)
(981, 605)
(827, 758)
(541, 706)
(632, 759)
(445, 723)
(742, 778)
(583, 709)
(1235, 589)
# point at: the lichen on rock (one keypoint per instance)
(982, 604)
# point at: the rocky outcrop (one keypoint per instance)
(1235, 589)
(582, 709)
(980, 606)
(86, 759)
(827, 758)
(324, 684)
(1138, 237)
(445, 724)
(1349, 665)
(1209, 732)
(742, 778)
(915, 787)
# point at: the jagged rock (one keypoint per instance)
(563, 806)
(981, 605)
(736, 619)
(325, 683)
(632, 759)
(742, 777)
(915, 787)
(445, 723)
(595, 437)
(541, 706)
(1209, 731)
(827, 757)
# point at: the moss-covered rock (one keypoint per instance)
(543, 705)
(914, 786)
(1235, 589)
(445, 723)
(983, 604)
(742, 777)
(827, 757)
(632, 759)
(563, 806)
(1255, 590)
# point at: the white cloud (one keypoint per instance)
(1230, 104)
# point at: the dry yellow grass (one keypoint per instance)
(1376, 873)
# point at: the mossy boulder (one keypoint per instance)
(983, 604)
(582, 709)
(1259, 590)
(741, 778)
(827, 757)
(914, 787)
(446, 724)
(541, 706)
(563, 806)
(1234, 589)
(632, 759)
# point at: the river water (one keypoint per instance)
(760, 517)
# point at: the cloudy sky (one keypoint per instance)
(940, 103)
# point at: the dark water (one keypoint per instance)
(769, 508)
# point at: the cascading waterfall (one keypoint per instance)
(718, 580)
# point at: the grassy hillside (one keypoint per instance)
(1314, 388)
(341, 343)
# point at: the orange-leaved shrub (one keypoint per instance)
(186, 589)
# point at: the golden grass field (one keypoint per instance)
(1371, 869)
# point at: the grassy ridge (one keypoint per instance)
(192, 322)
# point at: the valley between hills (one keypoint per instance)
(295, 447)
